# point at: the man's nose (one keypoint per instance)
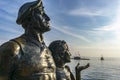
(69, 53)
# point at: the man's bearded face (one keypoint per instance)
(41, 20)
(64, 53)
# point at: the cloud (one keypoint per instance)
(109, 34)
(63, 30)
(113, 27)
(113, 30)
(11, 8)
(85, 12)
(10, 29)
(85, 9)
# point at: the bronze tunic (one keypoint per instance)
(32, 62)
(62, 74)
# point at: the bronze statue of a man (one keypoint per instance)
(27, 57)
(61, 55)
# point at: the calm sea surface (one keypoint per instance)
(109, 69)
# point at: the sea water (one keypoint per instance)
(108, 69)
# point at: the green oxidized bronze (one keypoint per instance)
(27, 57)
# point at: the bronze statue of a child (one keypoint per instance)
(61, 55)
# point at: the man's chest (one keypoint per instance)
(35, 59)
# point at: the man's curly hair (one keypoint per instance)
(57, 45)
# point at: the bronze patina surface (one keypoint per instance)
(27, 57)
(61, 55)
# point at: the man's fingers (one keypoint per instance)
(78, 64)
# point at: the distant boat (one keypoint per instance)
(102, 58)
(79, 58)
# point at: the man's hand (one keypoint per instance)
(79, 68)
(88, 65)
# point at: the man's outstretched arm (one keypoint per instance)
(71, 74)
(78, 70)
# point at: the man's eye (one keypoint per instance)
(37, 11)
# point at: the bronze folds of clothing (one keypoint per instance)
(32, 61)
(27, 57)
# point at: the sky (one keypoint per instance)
(91, 28)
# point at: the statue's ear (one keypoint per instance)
(57, 58)
(33, 15)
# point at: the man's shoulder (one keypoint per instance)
(67, 68)
(10, 47)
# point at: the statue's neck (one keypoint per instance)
(60, 64)
(34, 35)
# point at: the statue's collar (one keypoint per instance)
(34, 41)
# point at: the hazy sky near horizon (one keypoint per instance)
(90, 27)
